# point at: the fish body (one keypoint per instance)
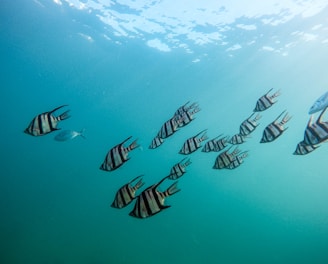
(66, 135)
(237, 139)
(151, 201)
(156, 142)
(45, 123)
(303, 149)
(118, 155)
(237, 161)
(225, 158)
(127, 193)
(275, 129)
(168, 128)
(266, 101)
(193, 143)
(179, 169)
(317, 132)
(216, 144)
(249, 125)
(319, 104)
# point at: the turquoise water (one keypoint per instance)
(55, 202)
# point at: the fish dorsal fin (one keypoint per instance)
(135, 178)
(57, 109)
(217, 136)
(201, 132)
(279, 116)
(268, 91)
(157, 184)
(120, 144)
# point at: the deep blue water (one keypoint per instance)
(55, 202)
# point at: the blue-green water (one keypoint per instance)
(55, 202)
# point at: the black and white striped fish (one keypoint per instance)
(127, 193)
(317, 132)
(266, 101)
(237, 139)
(185, 108)
(216, 144)
(118, 155)
(151, 201)
(225, 158)
(156, 142)
(193, 143)
(275, 129)
(169, 128)
(187, 117)
(179, 169)
(303, 149)
(46, 122)
(249, 125)
(237, 161)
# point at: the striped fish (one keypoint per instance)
(237, 161)
(127, 193)
(185, 108)
(46, 122)
(225, 158)
(179, 169)
(249, 125)
(216, 144)
(193, 143)
(169, 128)
(266, 101)
(317, 132)
(237, 139)
(156, 142)
(187, 117)
(303, 149)
(151, 201)
(275, 129)
(117, 155)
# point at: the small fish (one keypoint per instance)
(193, 143)
(45, 123)
(66, 135)
(249, 125)
(237, 161)
(303, 149)
(265, 101)
(319, 104)
(237, 139)
(179, 169)
(185, 108)
(151, 201)
(118, 155)
(187, 117)
(169, 128)
(275, 129)
(216, 144)
(225, 158)
(156, 142)
(127, 193)
(317, 132)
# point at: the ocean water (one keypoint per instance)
(123, 68)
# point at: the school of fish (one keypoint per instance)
(151, 200)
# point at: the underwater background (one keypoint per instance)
(126, 81)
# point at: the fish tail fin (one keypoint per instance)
(82, 133)
(277, 93)
(133, 145)
(64, 115)
(172, 189)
